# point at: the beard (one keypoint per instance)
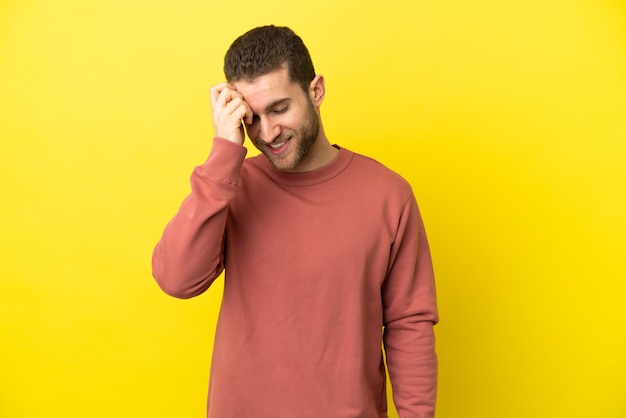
(302, 142)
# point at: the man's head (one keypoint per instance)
(265, 49)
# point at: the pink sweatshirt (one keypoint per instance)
(317, 265)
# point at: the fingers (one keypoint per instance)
(248, 115)
(229, 108)
(222, 93)
(217, 89)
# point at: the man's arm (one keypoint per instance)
(410, 311)
(189, 255)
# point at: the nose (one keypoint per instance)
(268, 131)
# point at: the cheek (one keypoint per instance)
(292, 121)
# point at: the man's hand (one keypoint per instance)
(229, 108)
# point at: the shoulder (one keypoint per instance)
(254, 165)
(378, 176)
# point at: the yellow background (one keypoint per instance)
(508, 118)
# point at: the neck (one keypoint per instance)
(320, 154)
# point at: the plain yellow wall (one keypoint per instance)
(508, 118)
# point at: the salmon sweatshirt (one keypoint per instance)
(323, 269)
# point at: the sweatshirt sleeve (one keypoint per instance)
(410, 312)
(189, 255)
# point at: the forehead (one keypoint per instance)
(268, 88)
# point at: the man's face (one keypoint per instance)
(286, 125)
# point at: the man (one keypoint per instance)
(322, 249)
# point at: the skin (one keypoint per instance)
(281, 119)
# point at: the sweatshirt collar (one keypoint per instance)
(319, 175)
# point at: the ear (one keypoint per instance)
(317, 90)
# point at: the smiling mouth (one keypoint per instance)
(278, 147)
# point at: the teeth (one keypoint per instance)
(276, 146)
